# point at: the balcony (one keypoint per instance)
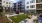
(38, 1)
(39, 9)
(39, 6)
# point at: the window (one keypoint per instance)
(9, 2)
(32, 1)
(32, 11)
(39, 5)
(27, 6)
(28, 2)
(32, 6)
(6, 2)
(39, 1)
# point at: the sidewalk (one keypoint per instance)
(8, 15)
(31, 20)
(21, 13)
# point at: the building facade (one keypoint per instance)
(30, 6)
(7, 5)
(34, 6)
(20, 6)
(1, 8)
(14, 7)
(0, 2)
(38, 6)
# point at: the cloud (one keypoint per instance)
(16, 0)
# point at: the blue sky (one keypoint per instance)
(14, 0)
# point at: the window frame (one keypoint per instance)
(27, 6)
(39, 1)
(6, 2)
(40, 6)
(32, 6)
(28, 2)
(32, 1)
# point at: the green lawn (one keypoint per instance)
(18, 18)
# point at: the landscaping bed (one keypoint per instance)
(18, 18)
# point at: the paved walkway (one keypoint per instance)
(31, 20)
(8, 15)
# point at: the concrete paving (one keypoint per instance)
(31, 20)
(8, 15)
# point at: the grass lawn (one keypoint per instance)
(18, 18)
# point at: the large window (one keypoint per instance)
(33, 11)
(39, 5)
(27, 6)
(32, 1)
(39, 11)
(39, 1)
(6, 2)
(28, 2)
(32, 6)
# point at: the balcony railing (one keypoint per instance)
(38, 1)
(39, 8)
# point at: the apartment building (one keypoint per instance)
(19, 6)
(34, 6)
(0, 2)
(7, 4)
(30, 6)
(22, 5)
(1, 8)
(14, 7)
(2, 19)
(38, 6)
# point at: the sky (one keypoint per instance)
(14, 1)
